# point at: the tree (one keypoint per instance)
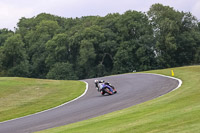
(86, 60)
(124, 59)
(188, 41)
(62, 71)
(44, 32)
(166, 26)
(58, 49)
(136, 45)
(175, 34)
(4, 34)
(106, 51)
(133, 25)
(13, 57)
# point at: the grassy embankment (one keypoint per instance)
(24, 96)
(177, 111)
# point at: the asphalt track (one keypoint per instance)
(132, 89)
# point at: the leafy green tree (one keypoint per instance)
(107, 50)
(124, 59)
(21, 70)
(58, 49)
(62, 71)
(86, 60)
(24, 26)
(4, 34)
(47, 27)
(166, 25)
(197, 54)
(13, 57)
(176, 36)
(188, 41)
(85, 44)
(136, 51)
(37, 47)
(2, 71)
(133, 25)
(100, 70)
(110, 21)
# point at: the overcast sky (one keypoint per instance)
(12, 10)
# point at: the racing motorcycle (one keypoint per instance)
(110, 90)
(105, 87)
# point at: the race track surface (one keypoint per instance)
(132, 89)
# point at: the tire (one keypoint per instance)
(102, 92)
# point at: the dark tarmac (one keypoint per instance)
(132, 89)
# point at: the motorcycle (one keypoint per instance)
(110, 90)
(105, 87)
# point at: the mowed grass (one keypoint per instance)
(23, 96)
(177, 111)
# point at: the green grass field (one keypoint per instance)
(24, 96)
(177, 111)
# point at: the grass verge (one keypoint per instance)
(177, 111)
(23, 96)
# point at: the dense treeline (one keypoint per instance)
(48, 46)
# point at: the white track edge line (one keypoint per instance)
(50, 108)
(179, 80)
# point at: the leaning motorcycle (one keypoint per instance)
(109, 90)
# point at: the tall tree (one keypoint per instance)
(86, 60)
(166, 25)
(13, 57)
(136, 45)
(188, 41)
(45, 31)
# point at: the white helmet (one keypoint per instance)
(96, 81)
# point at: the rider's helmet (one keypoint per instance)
(96, 81)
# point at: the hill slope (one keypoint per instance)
(24, 96)
(177, 111)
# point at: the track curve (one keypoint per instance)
(132, 89)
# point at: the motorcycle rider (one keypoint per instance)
(101, 84)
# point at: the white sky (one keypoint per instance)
(12, 10)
